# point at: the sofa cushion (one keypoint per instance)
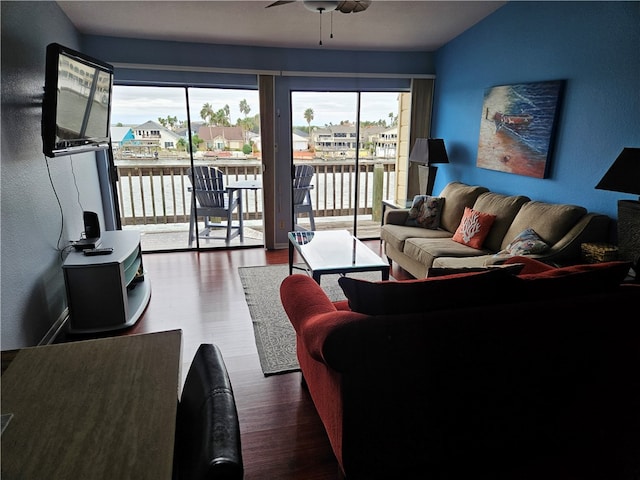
(457, 196)
(425, 212)
(478, 260)
(505, 208)
(426, 294)
(582, 280)
(526, 242)
(427, 250)
(512, 268)
(474, 228)
(397, 235)
(550, 221)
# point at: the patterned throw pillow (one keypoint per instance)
(425, 212)
(474, 228)
(525, 243)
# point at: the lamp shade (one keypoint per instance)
(427, 151)
(624, 174)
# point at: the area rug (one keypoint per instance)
(275, 337)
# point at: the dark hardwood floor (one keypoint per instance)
(201, 293)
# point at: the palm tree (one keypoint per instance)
(207, 114)
(245, 123)
(244, 107)
(308, 116)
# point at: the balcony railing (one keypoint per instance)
(157, 192)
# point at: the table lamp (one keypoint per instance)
(426, 152)
(624, 176)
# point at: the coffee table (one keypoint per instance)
(334, 251)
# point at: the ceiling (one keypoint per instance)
(387, 25)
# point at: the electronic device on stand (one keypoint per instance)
(91, 239)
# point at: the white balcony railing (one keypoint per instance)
(157, 192)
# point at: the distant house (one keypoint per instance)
(300, 140)
(153, 136)
(221, 138)
(120, 135)
(340, 140)
(386, 143)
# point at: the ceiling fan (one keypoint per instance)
(353, 6)
(346, 6)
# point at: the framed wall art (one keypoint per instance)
(517, 127)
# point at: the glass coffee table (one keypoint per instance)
(334, 251)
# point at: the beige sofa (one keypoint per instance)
(563, 227)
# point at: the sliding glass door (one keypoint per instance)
(158, 135)
(351, 141)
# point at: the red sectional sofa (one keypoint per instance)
(476, 375)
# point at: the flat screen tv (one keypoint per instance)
(76, 108)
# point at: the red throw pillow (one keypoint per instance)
(530, 265)
(428, 294)
(474, 228)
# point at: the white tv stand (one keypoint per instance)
(107, 292)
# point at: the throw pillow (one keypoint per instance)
(512, 268)
(474, 228)
(425, 212)
(529, 265)
(427, 294)
(526, 242)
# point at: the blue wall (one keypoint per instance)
(594, 46)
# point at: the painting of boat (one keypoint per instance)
(518, 120)
(518, 126)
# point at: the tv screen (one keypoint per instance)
(76, 108)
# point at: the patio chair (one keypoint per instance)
(212, 199)
(303, 174)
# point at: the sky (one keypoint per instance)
(136, 105)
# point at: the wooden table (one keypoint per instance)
(94, 409)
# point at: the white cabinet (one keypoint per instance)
(107, 292)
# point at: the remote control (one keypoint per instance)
(97, 251)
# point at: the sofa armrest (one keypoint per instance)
(314, 317)
(396, 217)
(593, 227)
(302, 299)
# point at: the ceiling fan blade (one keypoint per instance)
(281, 2)
(353, 6)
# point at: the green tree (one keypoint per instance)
(207, 114)
(308, 116)
(246, 123)
(221, 117)
(196, 141)
(244, 107)
(169, 122)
